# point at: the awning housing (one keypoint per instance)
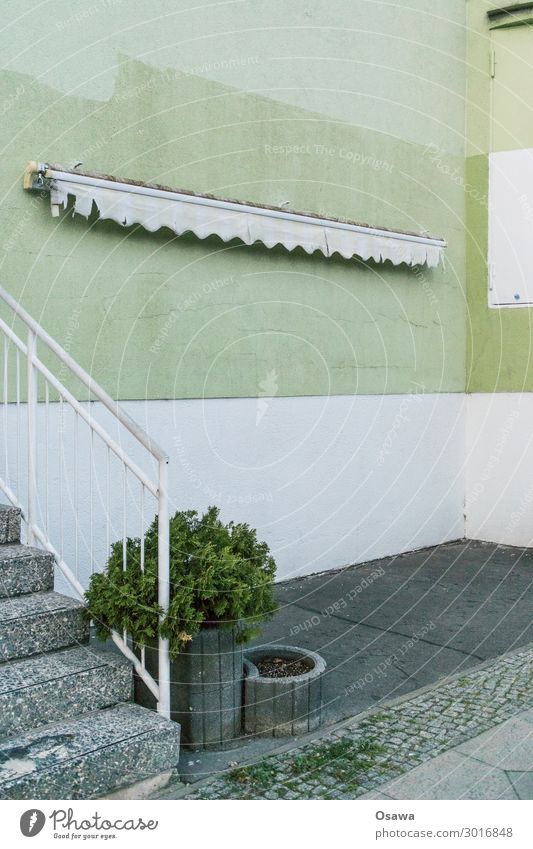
(153, 207)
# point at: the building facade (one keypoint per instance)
(345, 408)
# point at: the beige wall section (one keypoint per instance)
(499, 488)
(478, 66)
(500, 340)
(499, 450)
(512, 98)
(512, 88)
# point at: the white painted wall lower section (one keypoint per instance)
(499, 479)
(327, 481)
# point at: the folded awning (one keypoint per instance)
(153, 207)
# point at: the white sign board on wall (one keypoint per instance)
(511, 228)
(511, 166)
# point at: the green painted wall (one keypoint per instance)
(499, 344)
(316, 106)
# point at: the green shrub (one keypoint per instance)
(220, 575)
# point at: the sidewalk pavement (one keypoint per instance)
(495, 765)
(470, 736)
(390, 627)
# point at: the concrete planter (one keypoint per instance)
(278, 707)
(206, 688)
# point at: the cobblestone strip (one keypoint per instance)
(356, 758)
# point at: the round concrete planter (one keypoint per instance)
(206, 688)
(279, 707)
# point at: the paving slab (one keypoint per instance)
(528, 715)
(509, 746)
(522, 783)
(377, 795)
(452, 776)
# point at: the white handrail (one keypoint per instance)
(75, 404)
(84, 377)
(158, 489)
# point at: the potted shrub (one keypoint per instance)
(221, 581)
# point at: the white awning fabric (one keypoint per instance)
(155, 207)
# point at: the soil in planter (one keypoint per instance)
(282, 667)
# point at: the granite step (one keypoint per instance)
(40, 622)
(52, 687)
(89, 757)
(24, 570)
(9, 524)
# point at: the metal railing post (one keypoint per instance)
(163, 558)
(32, 436)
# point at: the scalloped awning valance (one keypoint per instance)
(153, 207)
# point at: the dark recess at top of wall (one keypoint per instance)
(509, 14)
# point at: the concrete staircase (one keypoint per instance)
(68, 727)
